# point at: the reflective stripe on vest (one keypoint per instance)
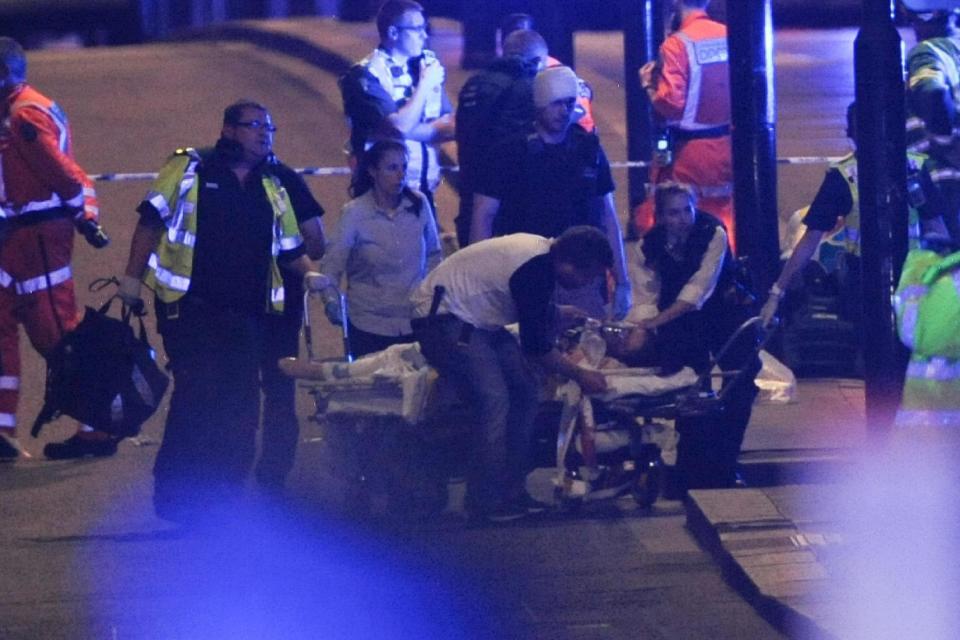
(702, 56)
(947, 75)
(286, 234)
(171, 264)
(916, 418)
(940, 369)
(907, 303)
(5, 279)
(59, 119)
(56, 115)
(847, 167)
(715, 191)
(41, 283)
(9, 383)
(168, 278)
(400, 88)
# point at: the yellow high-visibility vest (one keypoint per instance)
(174, 195)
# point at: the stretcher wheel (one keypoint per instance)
(646, 487)
(566, 504)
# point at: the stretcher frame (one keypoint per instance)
(698, 399)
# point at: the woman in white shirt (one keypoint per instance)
(687, 305)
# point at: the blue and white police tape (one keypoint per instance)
(345, 171)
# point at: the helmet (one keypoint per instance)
(928, 20)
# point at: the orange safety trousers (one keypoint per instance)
(36, 290)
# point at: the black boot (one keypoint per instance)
(9, 450)
(79, 447)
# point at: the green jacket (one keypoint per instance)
(927, 304)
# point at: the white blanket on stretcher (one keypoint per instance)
(392, 382)
(644, 382)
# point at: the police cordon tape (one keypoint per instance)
(345, 171)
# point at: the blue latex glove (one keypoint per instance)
(332, 310)
(622, 300)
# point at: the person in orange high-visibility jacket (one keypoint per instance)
(43, 194)
(689, 87)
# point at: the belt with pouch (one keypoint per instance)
(683, 135)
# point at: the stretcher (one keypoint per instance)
(389, 401)
(604, 443)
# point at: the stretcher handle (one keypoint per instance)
(765, 336)
(344, 324)
(307, 332)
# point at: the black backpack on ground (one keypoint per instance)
(103, 375)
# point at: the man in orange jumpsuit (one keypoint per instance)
(689, 87)
(44, 194)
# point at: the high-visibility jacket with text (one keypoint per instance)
(38, 173)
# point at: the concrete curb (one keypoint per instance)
(764, 554)
(775, 467)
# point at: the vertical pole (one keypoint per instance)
(642, 35)
(480, 21)
(881, 177)
(198, 13)
(152, 18)
(552, 19)
(325, 7)
(218, 10)
(753, 103)
(276, 8)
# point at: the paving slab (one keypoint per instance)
(776, 544)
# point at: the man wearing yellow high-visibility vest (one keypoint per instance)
(215, 230)
(930, 195)
(927, 303)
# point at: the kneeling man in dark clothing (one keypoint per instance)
(462, 308)
(687, 305)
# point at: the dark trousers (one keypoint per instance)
(492, 376)
(465, 216)
(209, 439)
(363, 342)
(709, 445)
(279, 338)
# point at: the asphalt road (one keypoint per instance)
(81, 554)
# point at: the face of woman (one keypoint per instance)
(677, 215)
(389, 174)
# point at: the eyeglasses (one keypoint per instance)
(417, 29)
(257, 124)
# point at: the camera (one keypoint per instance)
(93, 233)
(663, 151)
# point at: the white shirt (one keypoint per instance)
(697, 290)
(477, 280)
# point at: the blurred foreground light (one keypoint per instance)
(263, 574)
(898, 572)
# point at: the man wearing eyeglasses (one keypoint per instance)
(398, 92)
(216, 232)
